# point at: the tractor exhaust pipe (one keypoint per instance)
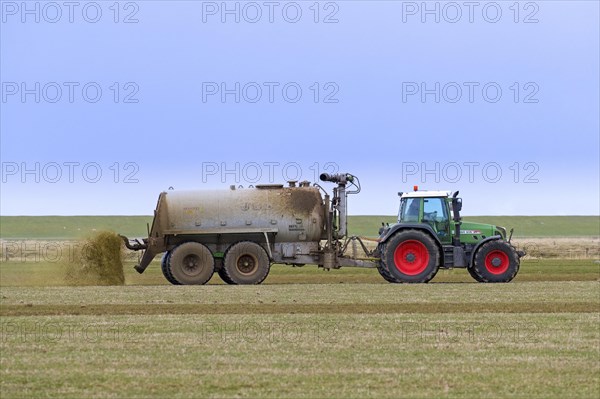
(456, 208)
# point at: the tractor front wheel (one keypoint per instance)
(495, 262)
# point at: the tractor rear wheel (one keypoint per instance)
(382, 269)
(164, 266)
(495, 262)
(385, 274)
(410, 256)
(246, 262)
(191, 263)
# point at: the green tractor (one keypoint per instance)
(430, 234)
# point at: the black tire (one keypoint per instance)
(410, 256)
(164, 266)
(385, 274)
(224, 276)
(246, 262)
(495, 262)
(382, 269)
(474, 275)
(191, 263)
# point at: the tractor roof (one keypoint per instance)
(425, 193)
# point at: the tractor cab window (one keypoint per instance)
(435, 214)
(409, 210)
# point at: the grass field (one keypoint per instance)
(64, 227)
(27, 274)
(303, 333)
(524, 339)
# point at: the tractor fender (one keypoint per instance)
(412, 226)
(480, 243)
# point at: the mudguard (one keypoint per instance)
(404, 226)
(480, 243)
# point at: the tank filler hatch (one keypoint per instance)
(269, 186)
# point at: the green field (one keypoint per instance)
(62, 227)
(44, 273)
(303, 333)
(65, 227)
(523, 339)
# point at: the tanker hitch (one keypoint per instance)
(341, 255)
(370, 254)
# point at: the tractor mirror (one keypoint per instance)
(456, 204)
(459, 204)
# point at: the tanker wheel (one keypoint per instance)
(410, 256)
(224, 276)
(191, 263)
(246, 263)
(495, 262)
(164, 266)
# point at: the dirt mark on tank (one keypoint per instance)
(301, 200)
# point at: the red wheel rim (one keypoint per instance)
(496, 262)
(411, 257)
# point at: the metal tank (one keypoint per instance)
(297, 213)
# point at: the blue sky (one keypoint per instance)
(106, 104)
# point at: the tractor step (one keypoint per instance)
(448, 257)
(454, 257)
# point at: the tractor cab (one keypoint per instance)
(433, 208)
(440, 211)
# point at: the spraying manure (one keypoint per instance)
(96, 260)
